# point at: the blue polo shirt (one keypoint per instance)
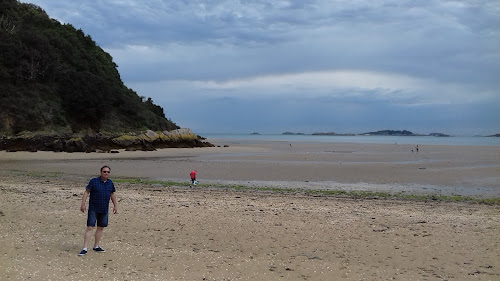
(100, 193)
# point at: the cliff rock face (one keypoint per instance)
(93, 142)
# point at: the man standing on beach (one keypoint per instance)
(100, 189)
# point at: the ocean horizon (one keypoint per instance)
(415, 140)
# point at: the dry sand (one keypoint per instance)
(178, 233)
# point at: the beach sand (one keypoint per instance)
(444, 170)
(209, 233)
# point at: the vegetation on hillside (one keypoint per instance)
(53, 77)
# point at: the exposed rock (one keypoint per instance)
(125, 141)
(151, 135)
(183, 133)
(92, 142)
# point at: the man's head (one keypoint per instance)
(105, 170)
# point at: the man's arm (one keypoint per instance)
(115, 204)
(83, 207)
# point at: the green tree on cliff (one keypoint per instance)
(54, 76)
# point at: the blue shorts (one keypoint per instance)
(101, 218)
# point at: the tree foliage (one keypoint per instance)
(54, 76)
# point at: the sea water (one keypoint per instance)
(415, 140)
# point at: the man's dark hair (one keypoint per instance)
(105, 166)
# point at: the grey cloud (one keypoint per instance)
(449, 42)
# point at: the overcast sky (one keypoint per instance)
(345, 66)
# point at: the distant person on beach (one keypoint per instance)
(193, 176)
(100, 190)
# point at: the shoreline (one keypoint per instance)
(472, 171)
(403, 140)
(181, 233)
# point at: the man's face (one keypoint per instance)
(105, 173)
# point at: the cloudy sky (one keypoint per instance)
(345, 66)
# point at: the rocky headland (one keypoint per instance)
(102, 142)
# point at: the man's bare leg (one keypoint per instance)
(98, 235)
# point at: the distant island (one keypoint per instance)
(398, 133)
(331, 134)
(438, 135)
(391, 133)
(402, 133)
(255, 133)
(376, 133)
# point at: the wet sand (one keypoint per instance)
(444, 170)
(182, 233)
